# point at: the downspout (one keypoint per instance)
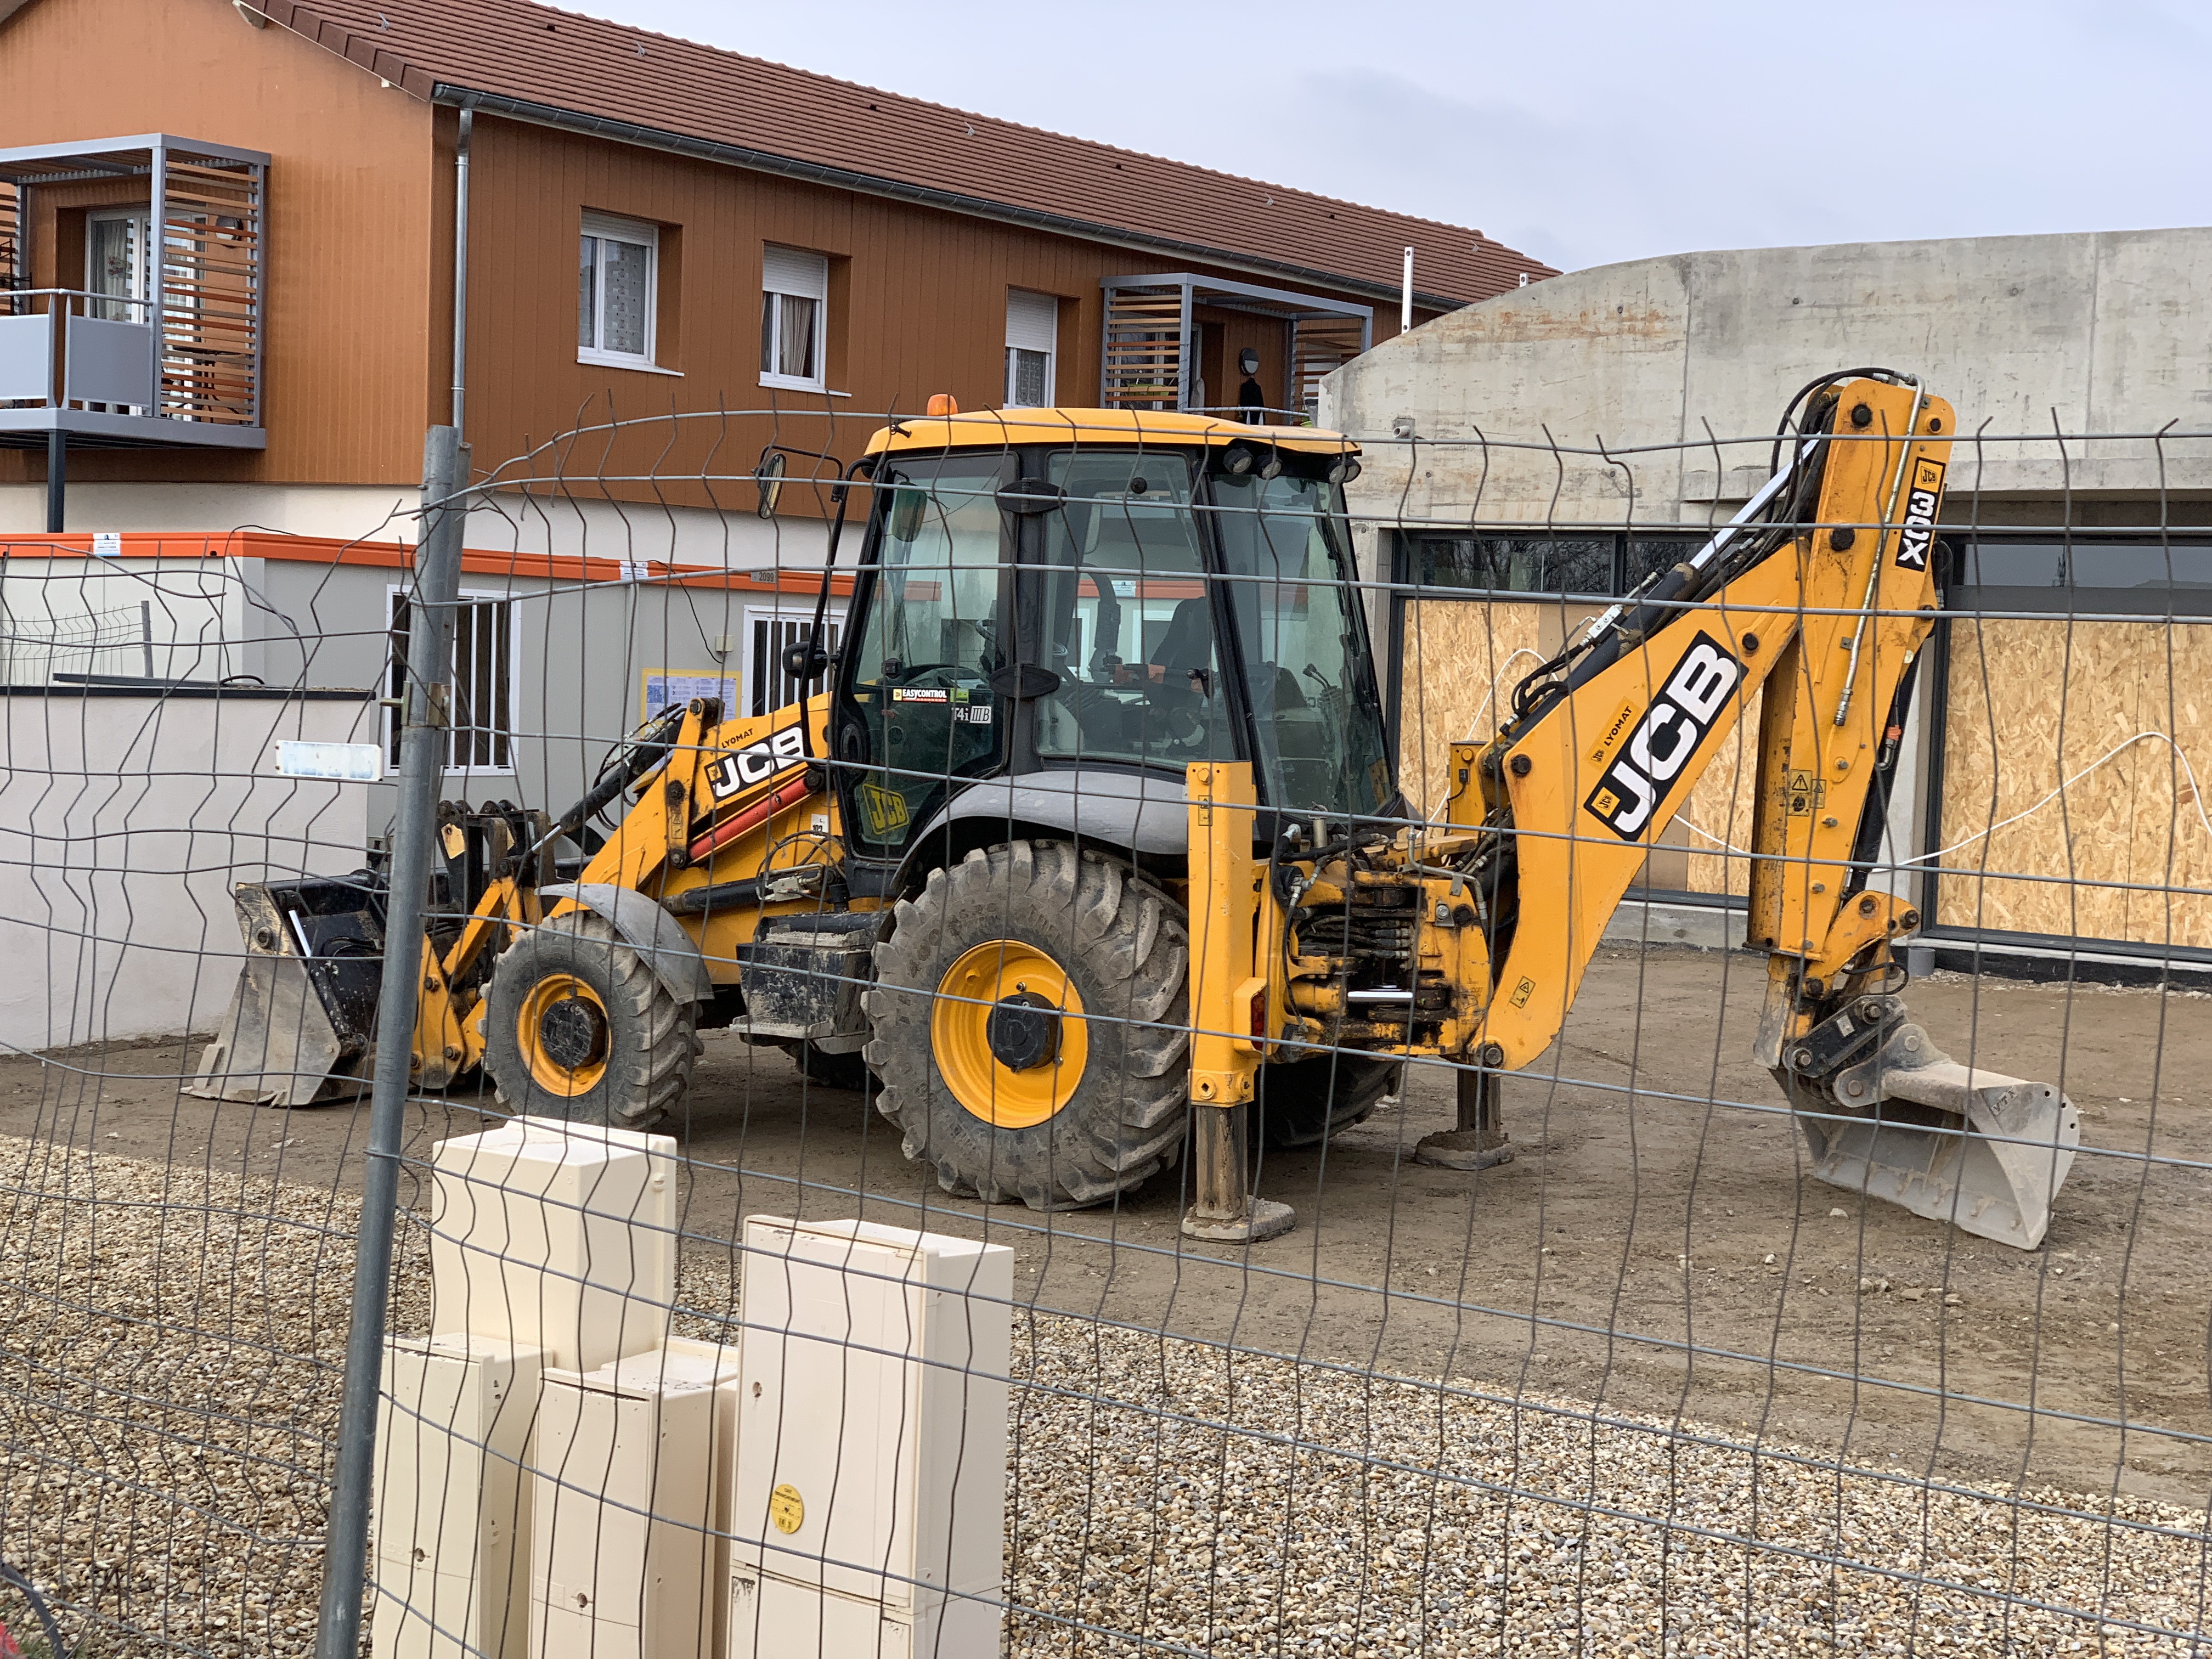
(461, 266)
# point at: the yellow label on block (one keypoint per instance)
(787, 1509)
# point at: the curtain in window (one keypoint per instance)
(794, 345)
(115, 263)
(622, 314)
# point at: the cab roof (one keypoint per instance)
(995, 428)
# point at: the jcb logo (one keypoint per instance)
(1921, 502)
(743, 768)
(1644, 774)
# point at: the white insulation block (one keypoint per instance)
(450, 1507)
(623, 1556)
(557, 1235)
(871, 1439)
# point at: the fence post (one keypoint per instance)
(424, 725)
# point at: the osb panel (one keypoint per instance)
(1720, 806)
(1463, 658)
(2034, 702)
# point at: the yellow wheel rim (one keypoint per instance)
(1017, 983)
(561, 1030)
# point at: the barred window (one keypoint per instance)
(481, 738)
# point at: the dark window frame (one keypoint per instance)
(2077, 551)
(1625, 569)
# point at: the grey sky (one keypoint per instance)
(1582, 133)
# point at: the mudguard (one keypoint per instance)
(647, 928)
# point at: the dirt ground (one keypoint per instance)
(1653, 1247)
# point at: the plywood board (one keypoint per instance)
(1463, 659)
(2121, 851)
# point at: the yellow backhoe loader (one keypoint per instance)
(1091, 847)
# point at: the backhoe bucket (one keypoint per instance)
(1986, 1153)
(300, 1023)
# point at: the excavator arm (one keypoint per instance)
(1820, 595)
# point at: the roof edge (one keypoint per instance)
(981, 207)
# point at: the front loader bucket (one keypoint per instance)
(1983, 1151)
(298, 1028)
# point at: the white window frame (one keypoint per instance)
(501, 740)
(780, 624)
(819, 381)
(1023, 335)
(607, 228)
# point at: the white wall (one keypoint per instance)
(125, 821)
(508, 520)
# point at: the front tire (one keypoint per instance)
(578, 1026)
(1029, 1026)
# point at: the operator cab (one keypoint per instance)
(1094, 600)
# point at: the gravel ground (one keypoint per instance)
(1262, 1505)
(168, 1340)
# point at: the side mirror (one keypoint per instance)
(805, 662)
(768, 475)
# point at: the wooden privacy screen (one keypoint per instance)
(1463, 658)
(2029, 703)
(211, 290)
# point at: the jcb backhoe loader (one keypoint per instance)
(1091, 843)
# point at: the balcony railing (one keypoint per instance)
(172, 355)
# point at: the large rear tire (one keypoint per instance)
(577, 1026)
(1028, 1025)
(1303, 1103)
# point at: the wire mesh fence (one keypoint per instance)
(999, 1055)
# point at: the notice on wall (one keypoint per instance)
(665, 687)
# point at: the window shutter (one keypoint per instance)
(1032, 320)
(788, 270)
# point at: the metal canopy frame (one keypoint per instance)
(208, 356)
(1131, 334)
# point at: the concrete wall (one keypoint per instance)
(2109, 332)
(124, 820)
(1648, 394)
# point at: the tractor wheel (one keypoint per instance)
(578, 1026)
(1029, 1026)
(1304, 1102)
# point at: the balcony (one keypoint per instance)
(131, 294)
(1164, 347)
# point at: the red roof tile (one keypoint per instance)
(610, 71)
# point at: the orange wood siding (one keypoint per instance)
(359, 229)
(354, 247)
(918, 306)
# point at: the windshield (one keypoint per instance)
(921, 675)
(1127, 625)
(1314, 710)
